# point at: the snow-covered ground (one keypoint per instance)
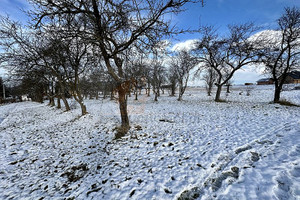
(245, 148)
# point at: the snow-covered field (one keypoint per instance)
(245, 148)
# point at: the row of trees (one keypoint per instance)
(78, 48)
(69, 37)
(277, 50)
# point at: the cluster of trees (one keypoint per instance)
(80, 48)
(277, 50)
(68, 38)
(223, 56)
(9, 93)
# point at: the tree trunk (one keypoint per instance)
(40, 99)
(58, 102)
(173, 88)
(155, 96)
(129, 93)
(228, 89)
(123, 108)
(83, 108)
(218, 94)
(148, 89)
(104, 92)
(58, 98)
(51, 101)
(112, 95)
(63, 97)
(181, 90)
(80, 102)
(180, 93)
(209, 90)
(136, 93)
(97, 94)
(179, 97)
(277, 94)
(79, 98)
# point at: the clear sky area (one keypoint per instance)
(219, 13)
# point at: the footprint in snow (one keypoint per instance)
(282, 189)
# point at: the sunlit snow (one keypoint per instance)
(246, 148)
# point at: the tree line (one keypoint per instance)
(80, 48)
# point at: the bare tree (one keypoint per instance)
(30, 52)
(172, 80)
(182, 63)
(209, 78)
(32, 83)
(51, 56)
(157, 75)
(97, 81)
(113, 26)
(78, 60)
(280, 50)
(135, 68)
(229, 54)
(210, 50)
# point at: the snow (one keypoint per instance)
(246, 148)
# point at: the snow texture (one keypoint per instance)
(246, 148)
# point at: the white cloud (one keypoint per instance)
(270, 38)
(248, 74)
(2, 72)
(186, 45)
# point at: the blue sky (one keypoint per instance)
(215, 12)
(219, 13)
(13, 9)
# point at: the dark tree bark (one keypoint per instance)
(277, 95)
(228, 88)
(58, 102)
(63, 97)
(218, 93)
(123, 108)
(136, 92)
